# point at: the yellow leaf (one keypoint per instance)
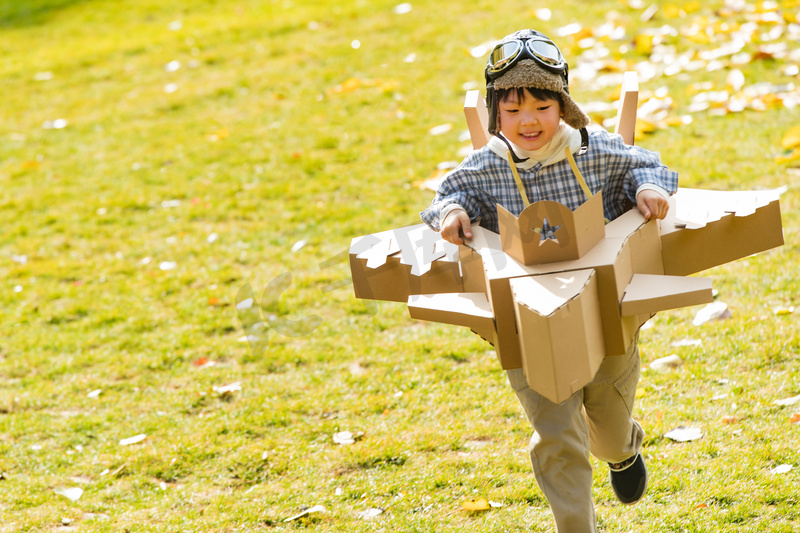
(642, 128)
(691, 7)
(793, 156)
(640, 393)
(644, 44)
(700, 38)
(481, 504)
(672, 11)
(792, 138)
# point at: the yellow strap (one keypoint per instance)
(518, 180)
(578, 174)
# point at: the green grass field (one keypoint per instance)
(157, 159)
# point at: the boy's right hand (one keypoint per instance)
(456, 227)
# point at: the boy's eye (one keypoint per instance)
(544, 108)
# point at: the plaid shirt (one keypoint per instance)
(484, 179)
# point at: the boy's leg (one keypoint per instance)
(559, 451)
(608, 402)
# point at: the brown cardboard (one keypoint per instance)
(578, 231)
(626, 112)
(560, 330)
(647, 293)
(461, 309)
(629, 274)
(709, 228)
(477, 119)
(393, 265)
(635, 246)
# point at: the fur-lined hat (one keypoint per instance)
(529, 73)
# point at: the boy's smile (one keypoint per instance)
(530, 123)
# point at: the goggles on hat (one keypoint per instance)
(540, 49)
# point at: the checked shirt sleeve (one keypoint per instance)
(462, 186)
(627, 169)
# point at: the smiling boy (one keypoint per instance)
(533, 119)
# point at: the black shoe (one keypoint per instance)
(629, 479)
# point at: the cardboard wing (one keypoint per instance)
(393, 265)
(705, 229)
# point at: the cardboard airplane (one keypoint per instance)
(557, 307)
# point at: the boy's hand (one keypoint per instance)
(652, 204)
(456, 227)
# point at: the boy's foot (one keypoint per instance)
(629, 479)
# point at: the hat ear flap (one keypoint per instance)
(491, 107)
(573, 115)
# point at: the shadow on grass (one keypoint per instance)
(21, 13)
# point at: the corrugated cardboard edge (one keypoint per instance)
(477, 119)
(687, 251)
(461, 309)
(562, 352)
(648, 294)
(580, 231)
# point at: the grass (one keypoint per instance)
(129, 232)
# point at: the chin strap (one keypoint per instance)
(514, 157)
(511, 152)
(584, 142)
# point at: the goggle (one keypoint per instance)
(540, 49)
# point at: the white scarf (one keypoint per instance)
(552, 152)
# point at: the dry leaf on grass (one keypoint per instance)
(369, 514)
(72, 493)
(684, 434)
(133, 440)
(306, 512)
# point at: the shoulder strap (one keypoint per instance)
(578, 174)
(518, 180)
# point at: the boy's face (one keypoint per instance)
(530, 123)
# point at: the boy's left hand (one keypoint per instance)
(652, 204)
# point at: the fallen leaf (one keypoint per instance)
(369, 514)
(481, 504)
(440, 129)
(346, 437)
(684, 434)
(713, 311)
(781, 469)
(728, 419)
(795, 418)
(72, 493)
(306, 512)
(227, 389)
(686, 342)
(669, 362)
(788, 401)
(132, 440)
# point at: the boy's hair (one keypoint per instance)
(522, 92)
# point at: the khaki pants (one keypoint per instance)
(597, 418)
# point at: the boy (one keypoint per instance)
(532, 120)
